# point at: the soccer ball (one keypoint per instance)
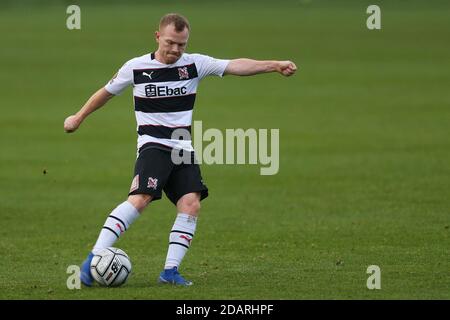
(111, 267)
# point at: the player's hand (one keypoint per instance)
(286, 68)
(72, 123)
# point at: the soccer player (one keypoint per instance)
(164, 88)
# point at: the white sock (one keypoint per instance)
(117, 223)
(180, 239)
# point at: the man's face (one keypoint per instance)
(171, 43)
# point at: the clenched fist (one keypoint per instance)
(286, 68)
(72, 123)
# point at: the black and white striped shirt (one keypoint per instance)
(164, 95)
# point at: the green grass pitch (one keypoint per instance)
(364, 151)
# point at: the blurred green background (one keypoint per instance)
(364, 150)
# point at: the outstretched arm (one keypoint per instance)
(96, 101)
(249, 67)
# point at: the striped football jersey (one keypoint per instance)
(164, 95)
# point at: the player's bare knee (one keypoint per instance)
(189, 204)
(192, 207)
(140, 201)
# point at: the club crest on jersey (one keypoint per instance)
(152, 183)
(183, 73)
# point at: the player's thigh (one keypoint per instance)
(185, 179)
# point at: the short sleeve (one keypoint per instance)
(121, 80)
(207, 65)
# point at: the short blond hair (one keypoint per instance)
(178, 20)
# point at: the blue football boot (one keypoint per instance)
(172, 276)
(85, 271)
